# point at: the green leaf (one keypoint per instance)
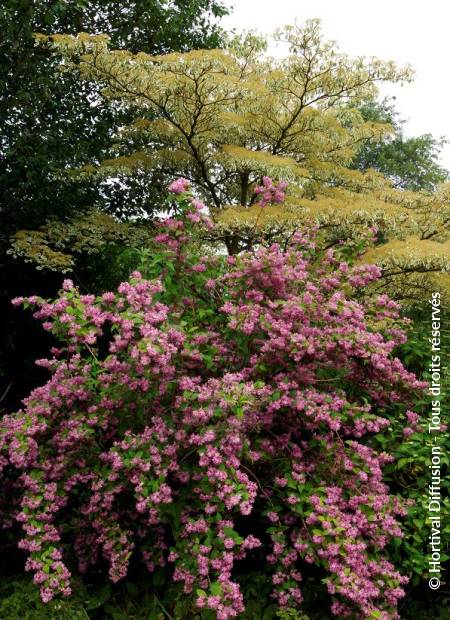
(216, 588)
(132, 589)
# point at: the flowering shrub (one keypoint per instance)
(218, 409)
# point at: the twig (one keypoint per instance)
(91, 351)
(6, 391)
(257, 481)
(163, 608)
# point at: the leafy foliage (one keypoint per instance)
(226, 118)
(183, 405)
(48, 119)
(89, 235)
(411, 163)
(410, 472)
(49, 122)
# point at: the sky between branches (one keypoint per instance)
(406, 31)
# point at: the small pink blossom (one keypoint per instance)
(179, 186)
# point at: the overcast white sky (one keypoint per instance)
(406, 31)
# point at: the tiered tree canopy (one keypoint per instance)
(225, 118)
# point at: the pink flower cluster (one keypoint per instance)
(172, 420)
(270, 193)
(179, 186)
(175, 231)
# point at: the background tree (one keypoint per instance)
(410, 163)
(49, 121)
(225, 118)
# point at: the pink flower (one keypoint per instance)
(270, 193)
(198, 205)
(67, 285)
(179, 186)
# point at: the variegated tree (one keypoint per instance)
(225, 118)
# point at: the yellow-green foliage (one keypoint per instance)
(224, 118)
(56, 244)
(426, 262)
